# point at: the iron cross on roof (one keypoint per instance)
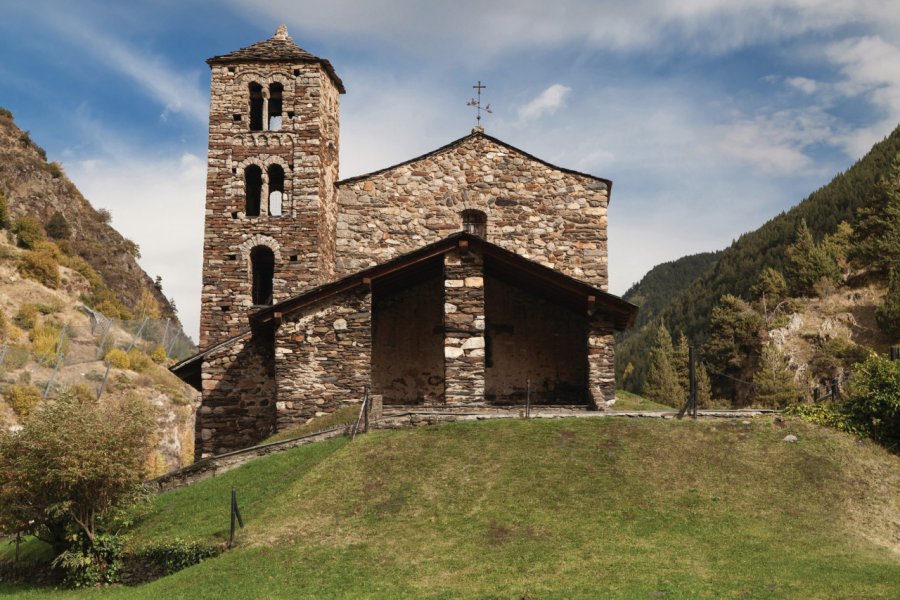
(477, 103)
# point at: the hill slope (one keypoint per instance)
(567, 508)
(740, 264)
(35, 188)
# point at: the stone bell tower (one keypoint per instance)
(271, 207)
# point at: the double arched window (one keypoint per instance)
(266, 107)
(255, 190)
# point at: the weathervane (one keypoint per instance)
(477, 103)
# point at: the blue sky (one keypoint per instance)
(710, 116)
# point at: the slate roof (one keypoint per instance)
(278, 48)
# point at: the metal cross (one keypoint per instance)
(477, 103)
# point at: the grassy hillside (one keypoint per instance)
(739, 265)
(576, 508)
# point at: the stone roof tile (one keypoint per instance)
(278, 48)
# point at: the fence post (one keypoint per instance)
(693, 373)
(528, 398)
(103, 383)
(103, 339)
(235, 514)
(895, 353)
(137, 335)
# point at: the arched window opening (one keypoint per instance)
(262, 268)
(474, 222)
(276, 91)
(256, 107)
(276, 190)
(253, 185)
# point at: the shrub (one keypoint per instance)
(4, 211)
(104, 215)
(23, 398)
(165, 558)
(58, 227)
(83, 393)
(28, 232)
(118, 358)
(45, 343)
(873, 399)
(5, 112)
(27, 316)
(87, 564)
(159, 355)
(81, 266)
(825, 414)
(16, 358)
(55, 169)
(138, 361)
(41, 266)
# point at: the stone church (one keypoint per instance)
(470, 275)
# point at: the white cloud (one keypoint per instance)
(804, 84)
(157, 201)
(546, 103)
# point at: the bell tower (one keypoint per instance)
(271, 206)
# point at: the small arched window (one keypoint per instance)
(276, 190)
(253, 187)
(474, 222)
(262, 272)
(256, 107)
(276, 92)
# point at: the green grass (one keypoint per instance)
(564, 508)
(630, 401)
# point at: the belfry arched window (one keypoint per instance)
(474, 222)
(276, 92)
(262, 273)
(256, 107)
(276, 190)
(253, 187)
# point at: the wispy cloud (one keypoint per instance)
(175, 90)
(546, 103)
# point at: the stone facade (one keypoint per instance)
(346, 301)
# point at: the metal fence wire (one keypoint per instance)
(77, 351)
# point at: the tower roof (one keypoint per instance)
(278, 48)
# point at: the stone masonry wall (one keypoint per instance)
(306, 147)
(238, 384)
(323, 357)
(530, 337)
(553, 217)
(464, 327)
(601, 362)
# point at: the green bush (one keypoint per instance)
(117, 358)
(41, 266)
(58, 227)
(888, 314)
(138, 361)
(4, 211)
(45, 343)
(159, 355)
(166, 558)
(89, 565)
(28, 232)
(873, 399)
(826, 414)
(23, 398)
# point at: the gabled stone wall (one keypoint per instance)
(551, 216)
(323, 357)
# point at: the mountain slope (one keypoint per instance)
(741, 263)
(35, 188)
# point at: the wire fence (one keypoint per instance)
(77, 350)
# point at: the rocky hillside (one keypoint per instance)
(36, 188)
(77, 313)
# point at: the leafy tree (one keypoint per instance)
(662, 382)
(58, 227)
(72, 463)
(774, 381)
(771, 291)
(734, 344)
(873, 399)
(808, 262)
(876, 239)
(888, 314)
(28, 232)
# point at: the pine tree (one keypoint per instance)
(888, 314)
(734, 343)
(662, 382)
(681, 361)
(807, 262)
(876, 239)
(704, 387)
(774, 381)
